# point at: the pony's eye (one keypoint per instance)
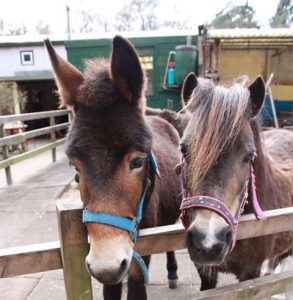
(76, 178)
(137, 162)
(183, 149)
(247, 159)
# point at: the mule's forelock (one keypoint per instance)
(98, 90)
(217, 117)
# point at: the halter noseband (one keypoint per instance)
(125, 223)
(219, 207)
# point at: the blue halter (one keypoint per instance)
(126, 223)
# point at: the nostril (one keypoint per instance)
(218, 248)
(229, 237)
(194, 242)
(123, 265)
(189, 239)
(88, 267)
(197, 249)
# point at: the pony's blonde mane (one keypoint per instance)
(218, 113)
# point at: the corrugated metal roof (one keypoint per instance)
(37, 39)
(250, 33)
(22, 40)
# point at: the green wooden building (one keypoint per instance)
(153, 52)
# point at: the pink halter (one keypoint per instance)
(219, 207)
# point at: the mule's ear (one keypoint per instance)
(257, 95)
(68, 78)
(190, 83)
(126, 70)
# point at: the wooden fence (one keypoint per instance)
(21, 138)
(73, 247)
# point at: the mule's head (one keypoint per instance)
(108, 144)
(218, 147)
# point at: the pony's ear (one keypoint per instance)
(257, 95)
(68, 78)
(189, 85)
(126, 70)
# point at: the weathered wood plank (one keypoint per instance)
(5, 154)
(34, 116)
(151, 240)
(74, 248)
(53, 138)
(30, 259)
(22, 137)
(259, 288)
(172, 237)
(15, 159)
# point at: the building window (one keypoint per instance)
(27, 57)
(146, 60)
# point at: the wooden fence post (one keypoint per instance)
(5, 155)
(53, 138)
(74, 248)
(70, 116)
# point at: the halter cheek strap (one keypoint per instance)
(219, 207)
(125, 223)
(259, 214)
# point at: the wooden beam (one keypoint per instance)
(5, 155)
(151, 240)
(172, 237)
(22, 137)
(53, 138)
(259, 288)
(74, 248)
(30, 259)
(15, 159)
(16, 99)
(34, 116)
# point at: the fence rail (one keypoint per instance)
(34, 116)
(21, 138)
(70, 253)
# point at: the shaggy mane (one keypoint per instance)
(218, 113)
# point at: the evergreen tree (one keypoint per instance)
(235, 16)
(284, 14)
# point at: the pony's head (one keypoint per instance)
(218, 147)
(108, 143)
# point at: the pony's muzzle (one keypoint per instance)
(203, 250)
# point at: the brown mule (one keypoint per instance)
(108, 143)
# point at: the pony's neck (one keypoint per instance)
(272, 184)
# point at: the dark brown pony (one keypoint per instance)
(221, 142)
(108, 143)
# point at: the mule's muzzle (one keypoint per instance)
(111, 274)
(205, 253)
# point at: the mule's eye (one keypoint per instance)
(183, 149)
(137, 162)
(76, 178)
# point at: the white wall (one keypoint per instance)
(10, 60)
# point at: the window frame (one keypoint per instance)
(22, 57)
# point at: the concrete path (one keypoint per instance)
(27, 216)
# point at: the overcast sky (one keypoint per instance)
(30, 12)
